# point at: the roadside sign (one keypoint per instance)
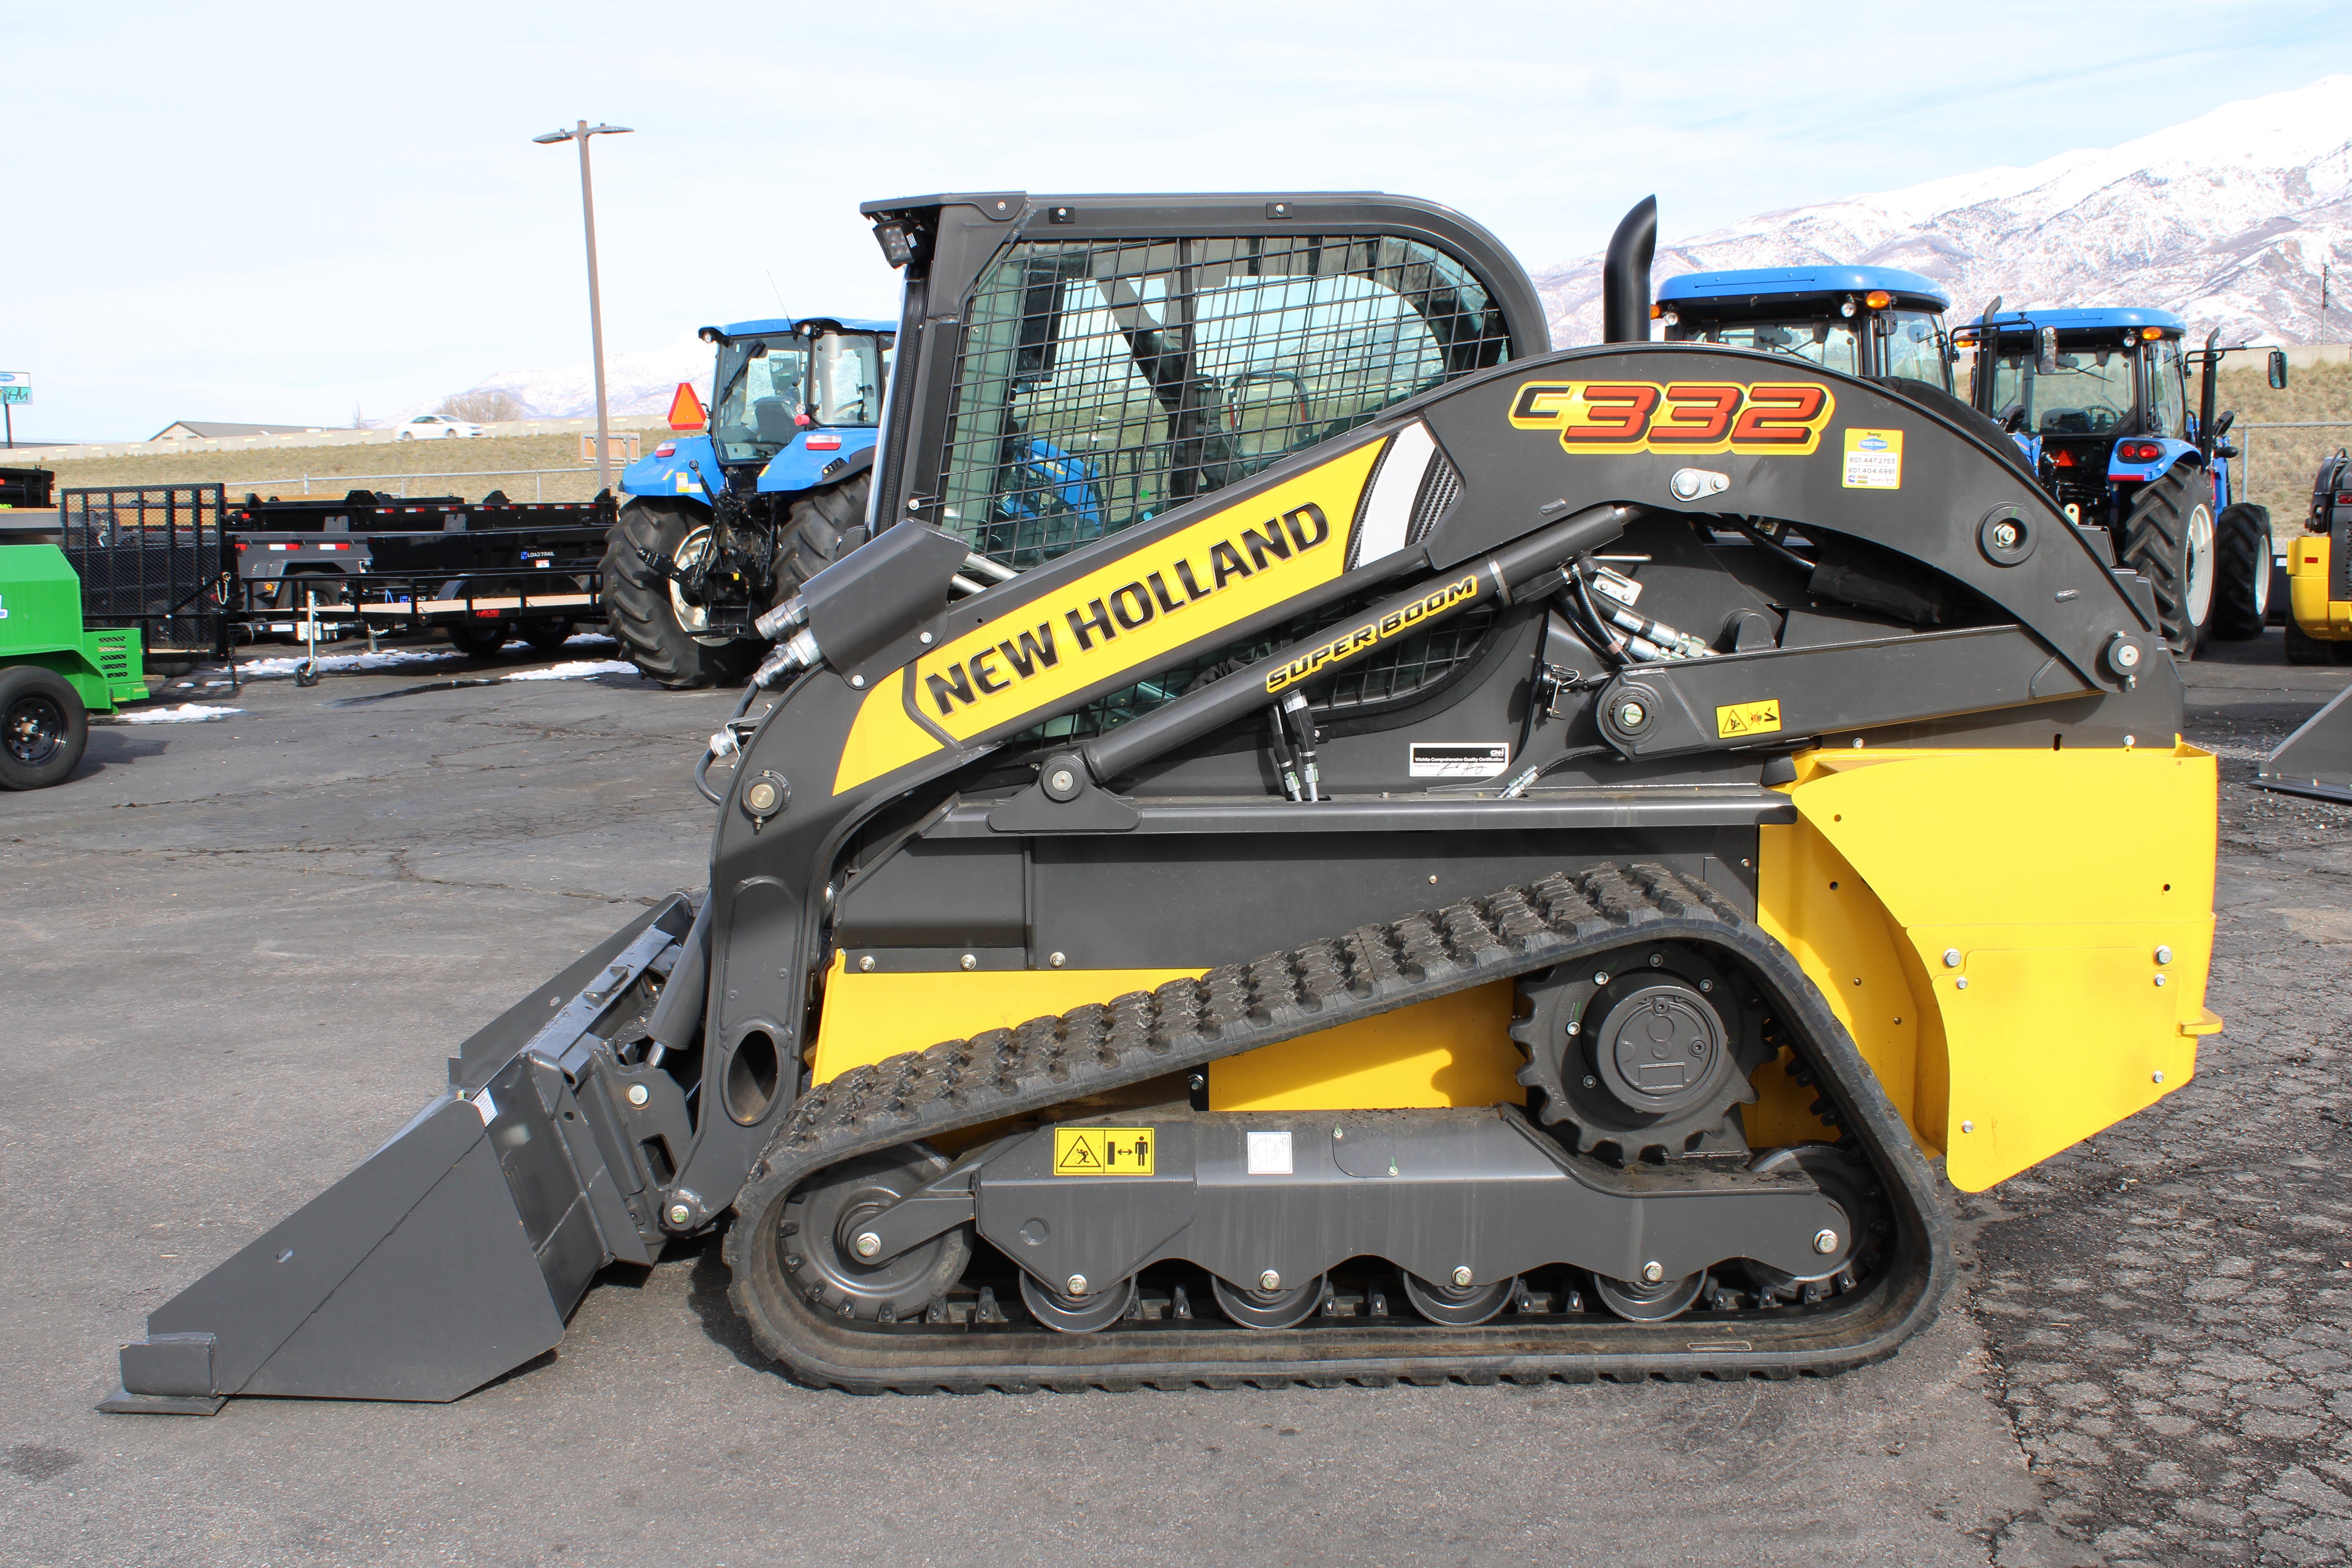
(15, 386)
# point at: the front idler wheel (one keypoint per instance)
(1274, 1309)
(1079, 1314)
(1458, 1306)
(1639, 1301)
(816, 1236)
(1846, 1255)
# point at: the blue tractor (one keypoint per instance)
(2097, 401)
(716, 526)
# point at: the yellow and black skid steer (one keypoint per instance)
(2316, 760)
(1321, 839)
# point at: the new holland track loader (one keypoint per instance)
(1409, 855)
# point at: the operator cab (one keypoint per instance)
(777, 380)
(1876, 321)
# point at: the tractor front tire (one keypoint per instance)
(2242, 586)
(44, 727)
(815, 530)
(645, 611)
(2168, 539)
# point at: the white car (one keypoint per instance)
(428, 427)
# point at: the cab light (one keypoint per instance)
(2151, 334)
(1656, 309)
(1878, 298)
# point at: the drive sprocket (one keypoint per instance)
(1647, 1050)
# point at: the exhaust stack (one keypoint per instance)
(1625, 276)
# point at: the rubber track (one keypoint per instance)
(1240, 1007)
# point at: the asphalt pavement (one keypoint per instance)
(239, 946)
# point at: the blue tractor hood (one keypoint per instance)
(2100, 318)
(771, 326)
(1761, 283)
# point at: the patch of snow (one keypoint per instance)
(185, 713)
(576, 669)
(330, 663)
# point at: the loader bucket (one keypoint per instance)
(2316, 760)
(452, 1256)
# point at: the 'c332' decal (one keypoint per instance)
(1766, 418)
(1129, 614)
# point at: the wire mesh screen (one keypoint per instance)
(1099, 384)
(149, 556)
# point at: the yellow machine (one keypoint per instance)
(1322, 838)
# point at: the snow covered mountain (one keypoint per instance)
(2225, 218)
(641, 381)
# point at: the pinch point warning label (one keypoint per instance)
(1103, 1150)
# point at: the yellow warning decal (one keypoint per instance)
(1747, 719)
(1873, 459)
(1103, 1150)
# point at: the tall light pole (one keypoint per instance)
(580, 134)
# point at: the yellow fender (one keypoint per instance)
(2017, 941)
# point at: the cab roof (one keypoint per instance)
(1761, 283)
(771, 325)
(2095, 318)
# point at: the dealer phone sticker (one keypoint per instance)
(1873, 459)
(1747, 719)
(1103, 1150)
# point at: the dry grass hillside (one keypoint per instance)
(501, 462)
(2279, 463)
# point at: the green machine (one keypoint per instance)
(53, 673)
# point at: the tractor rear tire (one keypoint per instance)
(644, 611)
(44, 727)
(2169, 540)
(2242, 585)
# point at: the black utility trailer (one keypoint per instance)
(482, 570)
(199, 575)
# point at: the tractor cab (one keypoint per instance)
(789, 398)
(1876, 321)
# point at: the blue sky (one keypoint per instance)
(250, 211)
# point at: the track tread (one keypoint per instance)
(1236, 1007)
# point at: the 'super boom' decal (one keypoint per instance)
(1368, 634)
(1690, 419)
